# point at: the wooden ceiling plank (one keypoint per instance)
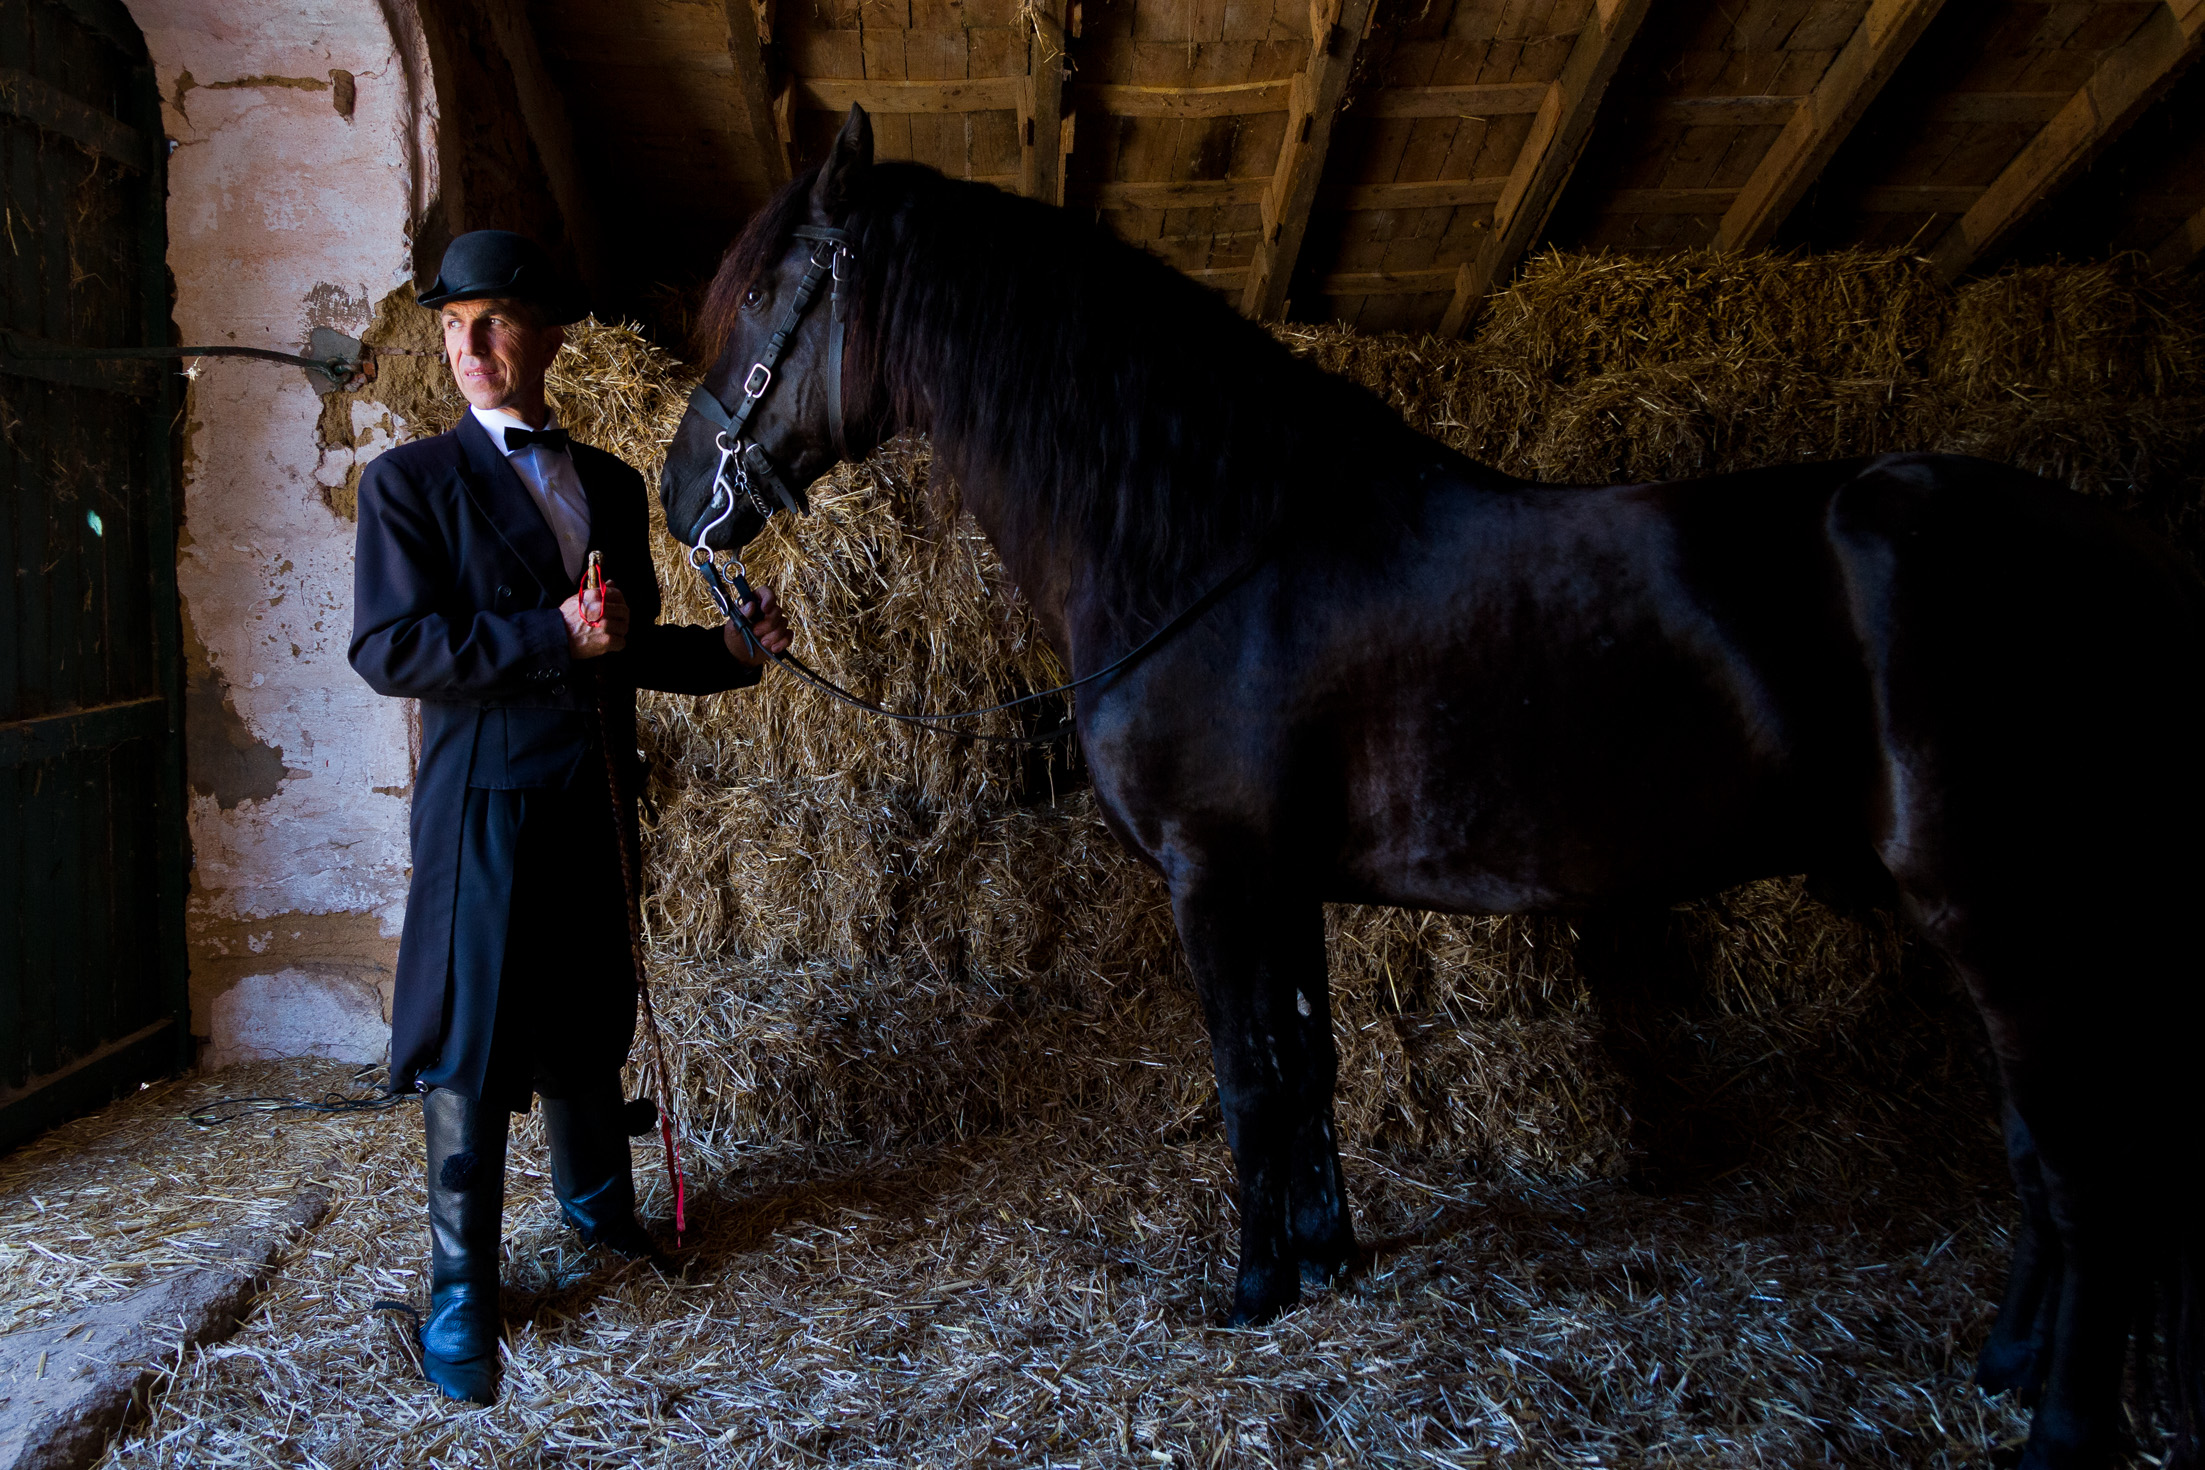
(1237, 99)
(959, 94)
(1484, 99)
(1167, 193)
(1996, 107)
(1854, 80)
(1389, 283)
(1741, 112)
(2126, 81)
(1336, 34)
(1549, 155)
(2183, 246)
(749, 28)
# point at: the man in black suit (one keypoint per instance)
(514, 975)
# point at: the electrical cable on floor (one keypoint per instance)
(230, 1109)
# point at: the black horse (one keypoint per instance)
(1411, 680)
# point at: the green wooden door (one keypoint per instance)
(93, 996)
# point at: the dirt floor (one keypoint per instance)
(1040, 1297)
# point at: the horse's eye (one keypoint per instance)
(753, 296)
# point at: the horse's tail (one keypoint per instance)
(2181, 1337)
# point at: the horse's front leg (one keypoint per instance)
(1259, 964)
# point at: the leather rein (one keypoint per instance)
(723, 578)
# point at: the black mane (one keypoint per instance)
(1085, 387)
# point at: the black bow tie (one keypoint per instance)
(517, 440)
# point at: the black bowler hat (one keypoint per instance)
(498, 263)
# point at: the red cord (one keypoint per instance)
(673, 1171)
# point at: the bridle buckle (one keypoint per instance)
(758, 381)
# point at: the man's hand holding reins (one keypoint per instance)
(595, 625)
(767, 625)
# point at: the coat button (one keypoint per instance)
(505, 592)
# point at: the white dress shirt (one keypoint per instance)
(552, 483)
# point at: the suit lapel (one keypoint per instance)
(505, 502)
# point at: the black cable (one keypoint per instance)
(336, 369)
(212, 1115)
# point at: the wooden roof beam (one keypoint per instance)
(1559, 132)
(749, 32)
(2183, 246)
(1043, 138)
(2128, 79)
(1336, 30)
(1851, 82)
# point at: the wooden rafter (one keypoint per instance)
(749, 29)
(1852, 81)
(2128, 79)
(1041, 134)
(1558, 134)
(1336, 30)
(2183, 246)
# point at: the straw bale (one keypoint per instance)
(2108, 330)
(1846, 314)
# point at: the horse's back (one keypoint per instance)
(2036, 664)
(1547, 696)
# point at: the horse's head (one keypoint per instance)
(772, 416)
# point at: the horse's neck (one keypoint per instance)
(1048, 571)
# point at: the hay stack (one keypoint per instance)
(884, 935)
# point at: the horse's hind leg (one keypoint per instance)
(2081, 1260)
(2090, 1305)
(1259, 963)
(2013, 1357)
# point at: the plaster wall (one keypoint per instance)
(294, 171)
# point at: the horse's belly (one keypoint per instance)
(1676, 791)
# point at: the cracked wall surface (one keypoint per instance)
(292, 184)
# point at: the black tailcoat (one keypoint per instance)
(515, 926)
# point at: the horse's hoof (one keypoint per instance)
(1259, 1302)
(1328, 1268)
(2005, 1367)
(2095, 1452)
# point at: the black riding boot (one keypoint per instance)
(591, 1172)
(459, 1343)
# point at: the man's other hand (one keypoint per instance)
(611, 616)
(767, 625)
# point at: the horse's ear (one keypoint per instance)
(847, 163)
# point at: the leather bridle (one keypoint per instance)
(748, 458)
